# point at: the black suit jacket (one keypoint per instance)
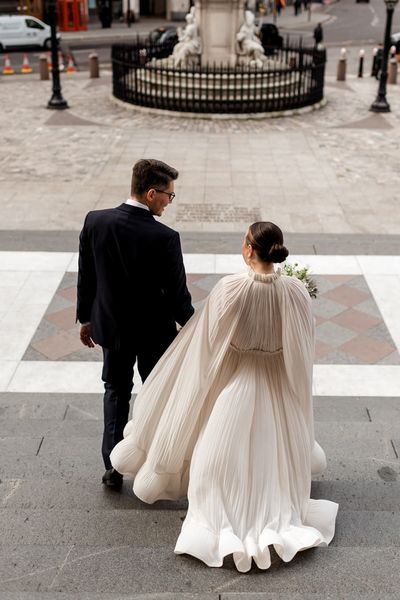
(131, 280)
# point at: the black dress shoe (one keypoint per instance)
(112, 479)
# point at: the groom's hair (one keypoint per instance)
(151, 173)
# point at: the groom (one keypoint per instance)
(131, 292)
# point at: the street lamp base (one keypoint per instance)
(57, 102)
(380, 105)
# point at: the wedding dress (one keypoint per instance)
(226, 418)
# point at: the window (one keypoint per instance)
(33, 24)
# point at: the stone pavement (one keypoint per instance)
(329, 171)
(330, 179)
(65, 537)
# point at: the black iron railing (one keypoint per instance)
(292, 78)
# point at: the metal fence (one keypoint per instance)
(293, 78)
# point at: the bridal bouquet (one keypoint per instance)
(302, 273)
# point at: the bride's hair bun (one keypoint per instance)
(267, 240)
(278, 253)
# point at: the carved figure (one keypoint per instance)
(189, 45)
(249, 45)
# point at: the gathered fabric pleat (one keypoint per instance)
(226, 418)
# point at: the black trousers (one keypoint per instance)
(118, 383)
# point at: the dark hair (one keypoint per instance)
(148, 173)
(267, 240)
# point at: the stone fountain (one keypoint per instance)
(219, 66)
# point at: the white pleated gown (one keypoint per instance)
(226, 418)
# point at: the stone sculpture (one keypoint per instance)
(250, 49)
(189, 47)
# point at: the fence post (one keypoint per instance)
(341, 67)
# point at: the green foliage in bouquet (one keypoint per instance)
(302, 273)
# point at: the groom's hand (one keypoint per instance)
(85, 336)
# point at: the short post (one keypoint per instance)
(373, 67)
(43, 68)
(392, 75)
(94, 66)
(361, 64)
(341, 67)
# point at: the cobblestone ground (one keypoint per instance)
(329, 171)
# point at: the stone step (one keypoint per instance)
(81, 407)
(200, 596)
(89, 494)
(187, 596)
(136, 569)
(160, 528)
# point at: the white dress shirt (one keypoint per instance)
(133, 202)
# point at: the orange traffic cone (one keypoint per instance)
(71, 67)
(7, 69)
(49, 62)
(26, 67)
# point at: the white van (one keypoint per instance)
(17, 31)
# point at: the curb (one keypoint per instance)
(219, 117)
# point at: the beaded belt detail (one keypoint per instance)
(256, 351)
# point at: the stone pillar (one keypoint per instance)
(177, 9)
(219, 21)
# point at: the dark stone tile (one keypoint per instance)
(360, 495)
(77, 493)
(362, 469)
(152, 528)
(133, 569)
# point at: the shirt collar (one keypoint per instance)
(133, 202)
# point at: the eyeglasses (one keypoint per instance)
(170, 194)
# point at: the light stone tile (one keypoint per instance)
(386, 292)
(7, 369)
(229, 263)
(73, 264)
(57, 377)
(12, 279)
(357, 380)
(200, 263)
(329, 264)
(34, 261)
(379, 265)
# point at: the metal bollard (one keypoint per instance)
(373, 67)
(361, 64)
(392, 76)
(43, 68)
(94, 69)
(341, 68)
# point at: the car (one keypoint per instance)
(21, 31)
(270, 38)
(160, 43)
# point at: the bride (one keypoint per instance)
(226, 418)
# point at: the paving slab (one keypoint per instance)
(358, 470)
(108, 596)
(360, 495)
(154, 528)
(158, 570)
(76, 493)
(311, 596)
